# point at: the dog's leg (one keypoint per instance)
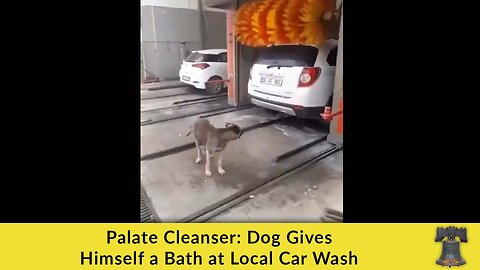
(208, 172)
(199, 153)
(219, 164)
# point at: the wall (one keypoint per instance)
(192, 4)
(164, 28)
(215, 33)
(142, 73)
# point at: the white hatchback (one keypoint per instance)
(294, 79)
(204, 66)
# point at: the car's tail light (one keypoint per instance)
(298, 107)
(308, 76)
(201, 65)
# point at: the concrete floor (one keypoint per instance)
(161, 85)
(144, 95)
(170, 113)
(170, 134)
(166, 98)
(299, 198)
(177, 187)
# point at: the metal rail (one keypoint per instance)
(219, 111)
(199, 99)
(193, 102)
(167, 96)
(299, 149)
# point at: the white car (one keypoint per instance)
(205, 66)
(294, 79)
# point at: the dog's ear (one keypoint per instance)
(238, 130)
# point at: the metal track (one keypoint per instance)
(332, 216)
(166, 87)
(220, 111)
(192, 102)
(299, 149)
(184, 147)
(199, 99)
(167, 96)
(234, 199)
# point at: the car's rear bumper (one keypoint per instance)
(294, 110)
(272, 106)
(195, 81)
(196, 84)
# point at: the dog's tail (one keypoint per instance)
(189, 131)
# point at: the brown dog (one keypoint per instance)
(213, 140)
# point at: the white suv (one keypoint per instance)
(294, 79)
(203, 66)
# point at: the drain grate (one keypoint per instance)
(146, 213)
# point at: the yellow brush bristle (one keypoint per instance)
(275, 22)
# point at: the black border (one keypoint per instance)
(73, 124)
(407, 120)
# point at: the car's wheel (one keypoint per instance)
(214, 88)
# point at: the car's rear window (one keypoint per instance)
(200, 57)
(332, 57)
(288, 55)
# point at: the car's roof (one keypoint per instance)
(212, 51)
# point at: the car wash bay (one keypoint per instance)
(262, 182)
(279, 170)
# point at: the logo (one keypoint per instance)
(450, 246)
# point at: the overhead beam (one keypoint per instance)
(220, 4)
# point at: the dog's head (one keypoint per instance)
(234, 131)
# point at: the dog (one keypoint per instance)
(213, 140)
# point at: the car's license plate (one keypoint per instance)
(271, 81)
(186, 78)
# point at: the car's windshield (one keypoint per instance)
(288, 55)
(200, 57)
